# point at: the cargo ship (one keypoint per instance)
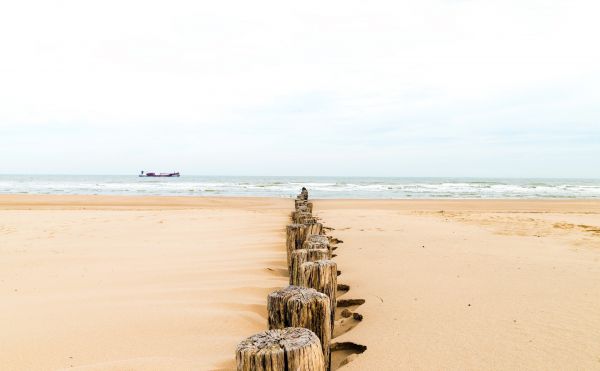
(158, 175)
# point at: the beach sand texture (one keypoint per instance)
(174, 283)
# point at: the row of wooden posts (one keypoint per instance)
(301, 315)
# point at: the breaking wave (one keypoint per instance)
(320, 187)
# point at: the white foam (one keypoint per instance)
(289, 187)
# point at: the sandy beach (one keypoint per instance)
(174, 283)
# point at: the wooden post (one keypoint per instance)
(311, 227)
(288, 349)
(303, 209)
(321, 275)
(309, 205)
(303, 194)
(311, 244)
(301, 256)
(298, 203)
(296, 306)
(318, 238)
(304, 217)
(300, 210)
(294, 236)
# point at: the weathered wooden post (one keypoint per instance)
(298, 203)
(296, 235)
(303, 194)
(321, 275)
(318, 238)
(301, 316)
(303, 209)
(296, 306)
(300, 209)
(301, 256)
(301, 217)
(303, 203)
(311, 227)
(288, 349)
(313, 243)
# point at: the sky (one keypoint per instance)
(353, 88)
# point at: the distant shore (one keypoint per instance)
(173, 283)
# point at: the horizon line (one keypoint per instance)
(312, 176)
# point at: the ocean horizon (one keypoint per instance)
(319, 186)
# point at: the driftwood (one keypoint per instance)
(296, 306)
(288, 349)
(301, 256)
(321, 275)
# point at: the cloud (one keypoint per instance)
(384, 88)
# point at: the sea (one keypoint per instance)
(319, 187)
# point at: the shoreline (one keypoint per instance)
(95, 200)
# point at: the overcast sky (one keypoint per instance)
(398, 88)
